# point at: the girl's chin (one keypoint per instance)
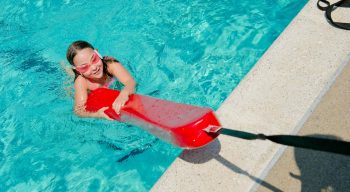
(97, 77)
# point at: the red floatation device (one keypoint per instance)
(180, 124)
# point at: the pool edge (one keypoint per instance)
(275, 97)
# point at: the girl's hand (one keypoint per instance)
(101, 113)
(120, 101)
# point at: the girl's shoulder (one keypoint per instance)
(112, 66)
(80, 82)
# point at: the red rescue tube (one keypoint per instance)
(180, 124)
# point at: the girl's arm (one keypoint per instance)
(80, 98)
(118, 71)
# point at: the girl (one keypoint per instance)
(91, 72)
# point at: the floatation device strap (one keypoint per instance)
(324, 5)
(315, 143)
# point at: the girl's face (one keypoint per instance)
(88, 63)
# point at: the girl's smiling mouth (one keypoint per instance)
(97, 71)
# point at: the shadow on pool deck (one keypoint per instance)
(211, 151)
(307, 170)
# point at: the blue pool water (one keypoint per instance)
(193, 52)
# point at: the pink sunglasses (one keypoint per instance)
(96, 57)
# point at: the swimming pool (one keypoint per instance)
(193, 52)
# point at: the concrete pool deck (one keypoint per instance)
(277, 96)
(306, 170)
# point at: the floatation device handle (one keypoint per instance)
(329, 8)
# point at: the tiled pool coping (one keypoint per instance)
(276, 97)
